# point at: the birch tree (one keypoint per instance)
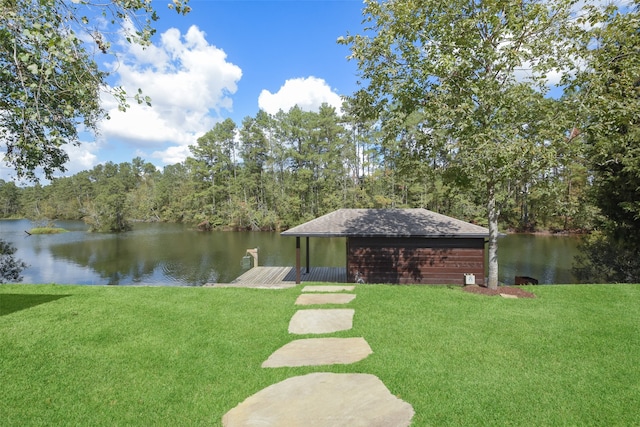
(475, 73)
(50, 79)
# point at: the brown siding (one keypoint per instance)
(415, 260)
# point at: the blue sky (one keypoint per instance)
(225, 59)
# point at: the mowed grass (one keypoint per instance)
(80, 355)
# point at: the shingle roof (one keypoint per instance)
(386, 223)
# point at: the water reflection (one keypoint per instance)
(174, 254)
(113, 260)
(152, 254)
(546, 258)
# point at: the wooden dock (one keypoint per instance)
(285, 277)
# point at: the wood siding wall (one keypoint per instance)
(414, 260)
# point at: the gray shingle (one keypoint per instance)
(386, 223)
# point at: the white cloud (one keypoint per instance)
(81, 157)
(172, 155)
(307, 93)
(189, 82)
(7, 173)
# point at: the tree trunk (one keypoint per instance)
(493, 213)
(213, 194)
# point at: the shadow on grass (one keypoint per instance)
(10, 303)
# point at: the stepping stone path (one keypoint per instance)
(322, 399)
(327, 288)
(509, 296)
(315, 299)
(319, 351)
(321, 321)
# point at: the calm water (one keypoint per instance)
(174, 254)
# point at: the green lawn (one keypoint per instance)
(82, 355)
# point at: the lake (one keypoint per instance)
(178, 255)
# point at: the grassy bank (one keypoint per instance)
(47, 230)
(80, 355)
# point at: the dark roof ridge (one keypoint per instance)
(389, 222)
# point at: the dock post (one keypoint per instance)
(307, 254)
(254, 254)
(297, 260)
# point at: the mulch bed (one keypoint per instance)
(509, 290)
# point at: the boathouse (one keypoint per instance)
(401, 246)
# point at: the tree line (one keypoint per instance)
(275, 171)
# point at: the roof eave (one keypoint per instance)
(421, 236)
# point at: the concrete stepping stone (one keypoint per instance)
(509, 296)
(319, 351)
(321, 321)
(316, 299)
(327, 288)
(323, 400)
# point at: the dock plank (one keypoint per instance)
(284, 277)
